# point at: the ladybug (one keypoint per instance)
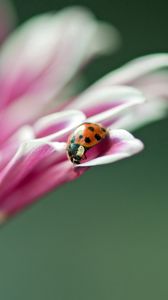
(85, 136)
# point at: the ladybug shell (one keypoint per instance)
(88, 135)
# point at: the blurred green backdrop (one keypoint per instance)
(114, 244)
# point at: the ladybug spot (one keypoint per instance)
(80, 136)
(87, 140)
(97, 137)
(103, 129)
(91, 128)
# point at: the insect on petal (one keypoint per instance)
(123, 145)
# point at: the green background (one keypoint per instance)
(112, 244)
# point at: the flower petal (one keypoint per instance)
(154, 85)
(144, 74)
(50, 53)
(25, 176)
(9, 148)
(141, 115)
(123, 145)
(56, 126)
(106, 104)
(136, 69)
(131, 98)
(7, 18)
(23, 112)
(31, 156)
(37, 186)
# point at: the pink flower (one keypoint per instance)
(38, 64)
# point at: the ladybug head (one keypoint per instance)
(76, 152)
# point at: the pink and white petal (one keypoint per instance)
(58, 125)
(129, 98)
(7, 18)
(30, 157)
(98, 100)
(145, 74)
(107, 104)
(154, 85)
(152, 110)
(9, 148)
(106, 38)
(50, 53)
(37, 186)
(52, 127)
(24, 112)
(136, 69)
(123, 144)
